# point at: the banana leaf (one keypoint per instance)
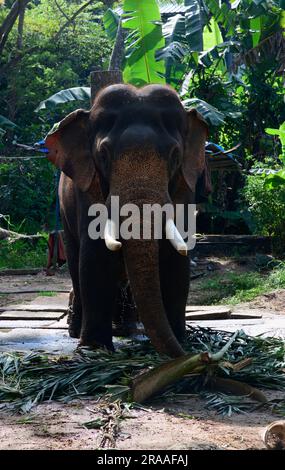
(4, 122)
(209, 112)
(194, 25)
(111, 22)
(175, 50)
(212, 35)
(65, 96)
(144, 40)
(223, 15)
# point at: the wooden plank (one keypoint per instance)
(245, 316)
(224, 315)
(21, 272)
(30, 315)
(34, 308)
(208, 308)
(207, 312)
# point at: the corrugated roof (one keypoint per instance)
(168, 9)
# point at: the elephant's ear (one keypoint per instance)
(194, 167)
(69, 144)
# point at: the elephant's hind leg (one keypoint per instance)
(174, 282)
(75, 308)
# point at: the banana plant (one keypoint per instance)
(65, 96)
(281, 134)
(111, 23)
(277, 179)
(4, 125)
(143, 21)
(200, 38)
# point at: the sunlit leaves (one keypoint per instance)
(111, 23)
(65, 96)
(142, 19)
(210, 113)
(194, 25)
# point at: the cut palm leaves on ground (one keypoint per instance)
(149, 383)
(243, 362)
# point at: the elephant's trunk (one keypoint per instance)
(143, 180)
(142, 264)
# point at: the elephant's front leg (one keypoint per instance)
(174, 282)
(98, 279)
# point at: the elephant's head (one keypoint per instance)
(146, 149)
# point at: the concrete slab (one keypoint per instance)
(208, 308)
(45, 340)
(42, 303)
(34, 324)
(274, 326)
(28, 333)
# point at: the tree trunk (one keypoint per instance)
(21, 26)
(10, 20)
(8, 234)
(118, 49)
(100, 79)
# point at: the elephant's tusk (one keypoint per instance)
(175, 238)
(110, 234)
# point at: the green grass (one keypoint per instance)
(23, 254)
(47, 294)
(233, 288)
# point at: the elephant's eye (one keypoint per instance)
(106, 121)
(171, 121)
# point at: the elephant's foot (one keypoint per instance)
(93, 344)
(128, 329)
(74, 323)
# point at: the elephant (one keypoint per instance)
(141, 145)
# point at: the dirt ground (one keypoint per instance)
(173, 424)
(179, 425)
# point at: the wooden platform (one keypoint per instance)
(230, 245)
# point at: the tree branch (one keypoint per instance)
(71, 19)
(61, 10)
(16, 59)
(21, 26)
(10, 20)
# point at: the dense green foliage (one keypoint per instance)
(40, 68)
(266, 205)
(225, 58)
(142, 19)
(23, 254)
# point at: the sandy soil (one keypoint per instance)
(179, 425)
(168, 424)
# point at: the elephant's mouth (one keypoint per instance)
(171, 233)
(142, 181)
